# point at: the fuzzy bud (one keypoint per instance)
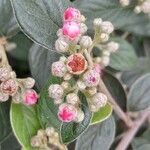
(137, 9)
(104, 37)
(72, 98)
(99, 100)
(58, 101)
(105, 60)
(80, 116)
(83, 28)
(81, 85)
(92, 91)
(10, 46)
(30, 97)
(3, 97)
(36, 141)
(107, 27)
(63, 58)
(67, 112)
(71, 30)
(98, 60)
(17, 98)
(49, 131)
(106, 53)
(97, 22)
(91, 78)
(59, 69)
(61, 45)
(9, 87)
(93, 108)
(76, 63)
(86, 42)
(55, 91)
(4, 74)
(65, 85)
(124, 2)
(67, 76)
(146, 7)
(112, 46)
(29, 83)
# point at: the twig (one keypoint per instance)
(130, 134)
(125, 35)
(116, 107)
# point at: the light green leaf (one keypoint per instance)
(40, 19)
(24, 123)
(125, 58)
(99, 136)
(122, 18)
(102, 114)
(138, 98)
(8, 25)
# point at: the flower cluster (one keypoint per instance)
(142, 6)
(19, 89)
(47, 139)
(78, 63)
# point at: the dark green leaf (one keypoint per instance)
(40, 19)
(122, 18)
(40, 60)
(125, 58)
(102, 114)
(70, 131)
(24, 123)
(98, 136)
(138, 98)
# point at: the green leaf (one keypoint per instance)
(23, 45)
(115, 88)
(99, 136)
(48, 111)
(138, 98)
(24, 123)
(41, 69)
(8, 25)
(70, 131)
(40, 20)
(102, 114)
(141, 68)
(125, 58)
(122, 18)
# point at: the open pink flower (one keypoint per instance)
(67, 112)
(76, 63)
(72, 14)
(30, 97)
(71, 30)
(91, 78)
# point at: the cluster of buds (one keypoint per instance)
(142, 6)
(19, 89)
(79, 64)
(47, 139)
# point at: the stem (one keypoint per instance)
(130, 134)
(88, 57)
(116, 107)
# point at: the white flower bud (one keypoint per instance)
(13, 75)
(3, 97)
(107, 27)
(36, 141)
(49, 131)
(97, 22)
(10, 46)
(65, 85)
(80, 116)
(61, 45)
(124, 2)
(112, 46)
(83, 28)
(92, 90)
(137, 9)
(105, 60)
(99, 100)
(4, 73)
(67, 76)
(81, 85)
(63, 58)
(86, 42)
(72, 98)
(82, 19)
(55, 91)
(146, 7)
(29, 83)
(104, 37)
(58, 101)
(106, 53)
(93, 108)
(17, 98)
(98, 60)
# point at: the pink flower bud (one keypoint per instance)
(91, 78)
(4, 74)
(67, 112)
(99, 100)
(9, 87)
(3, 97)
(55, 91)
(59, 69)
(76, 63)
(72, 14)
(97, 68)
(71, 30)
(30, 97)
